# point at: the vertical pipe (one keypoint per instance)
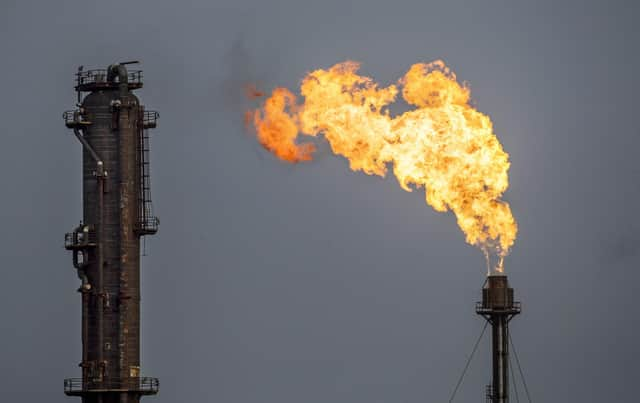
(495, 351)
(500, 359)
(505, 358)
(123, 130)
(85, 333)
(101, 367)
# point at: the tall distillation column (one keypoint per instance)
(498, 308)
(112, 127)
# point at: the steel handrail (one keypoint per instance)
(100, 75)
(79, 238)
(149, 118)
(140, 384)
(515, 306)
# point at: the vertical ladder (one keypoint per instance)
(147, 222)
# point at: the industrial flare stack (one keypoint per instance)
(498, 308)
(112, 127)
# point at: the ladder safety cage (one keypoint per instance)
(147, 223)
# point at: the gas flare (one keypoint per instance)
(443, 144)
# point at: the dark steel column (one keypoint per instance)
(110, 124)
(498, 308)
(500, 359)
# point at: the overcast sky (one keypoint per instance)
(272, 283)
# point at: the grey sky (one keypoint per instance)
(313, 284)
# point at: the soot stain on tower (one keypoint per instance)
(112, 127)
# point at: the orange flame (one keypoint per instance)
(444, 144)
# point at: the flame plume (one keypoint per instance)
(444, 144)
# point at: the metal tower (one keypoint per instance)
(498, 308)
(111, 125)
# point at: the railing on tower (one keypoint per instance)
(74, 119)
(514, 308)
(80, 240)
(140, 385)
(90, 80)
(149, 119)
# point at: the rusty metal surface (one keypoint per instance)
(111, 123)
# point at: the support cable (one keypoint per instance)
(515, 383)
(464, 371)
(524, 382)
